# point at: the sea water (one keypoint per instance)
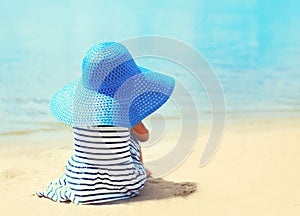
(252, 46)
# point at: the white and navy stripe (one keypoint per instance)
(105, 167)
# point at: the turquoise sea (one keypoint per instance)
(253, 46)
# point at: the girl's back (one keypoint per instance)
(105, 166)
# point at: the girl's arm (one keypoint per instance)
(141, 132)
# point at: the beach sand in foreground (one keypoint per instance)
(256, 171)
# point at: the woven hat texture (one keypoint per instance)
(112, 90)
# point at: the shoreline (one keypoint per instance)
(229, 121)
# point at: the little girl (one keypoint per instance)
(106, 107)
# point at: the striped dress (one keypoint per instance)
(105, 167)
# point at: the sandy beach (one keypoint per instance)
(256, 171)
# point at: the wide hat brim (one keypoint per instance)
(138, 97)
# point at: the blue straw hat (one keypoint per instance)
(113, 90)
